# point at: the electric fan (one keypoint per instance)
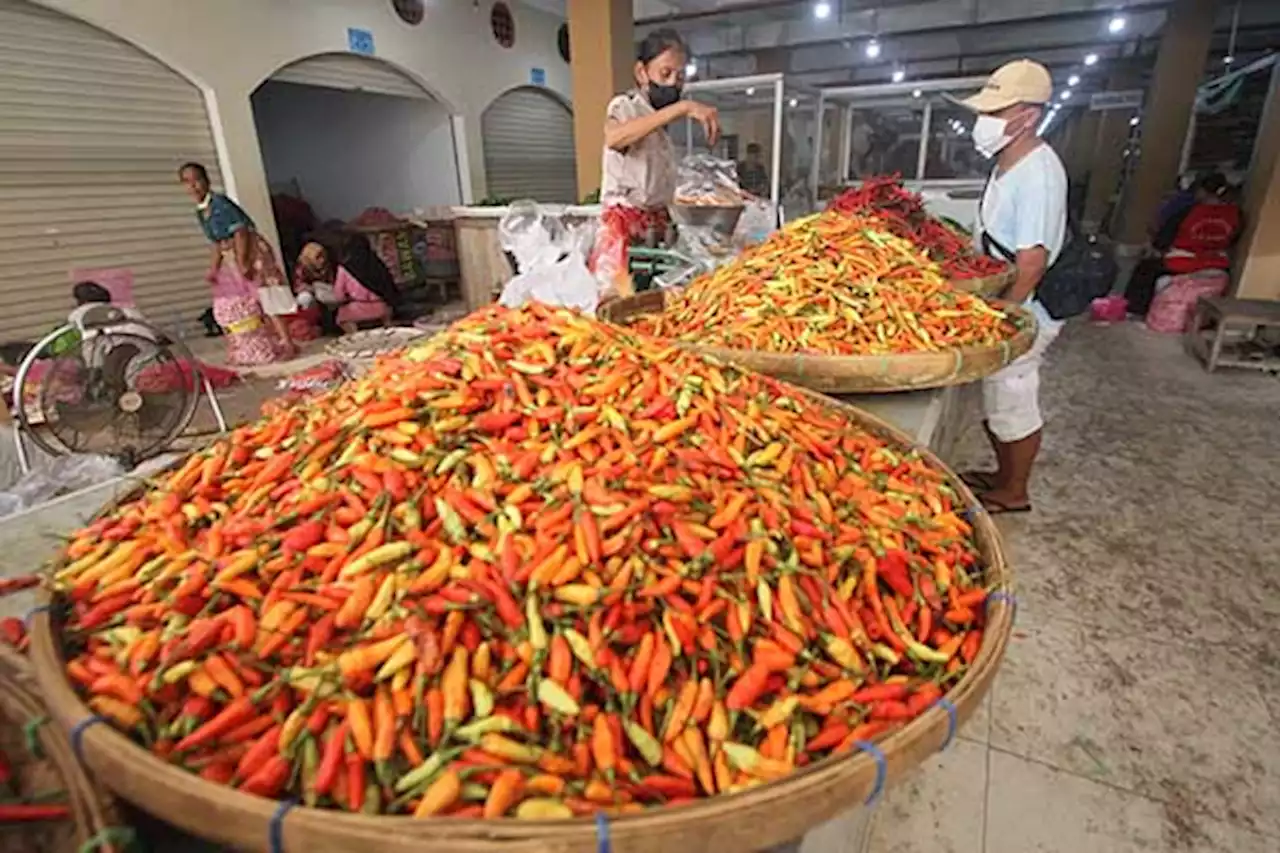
(110, 384)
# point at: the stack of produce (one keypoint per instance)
(829, 284)
(902, 212)
(534, 567)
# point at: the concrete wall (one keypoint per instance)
(351, 150)
(229, 47)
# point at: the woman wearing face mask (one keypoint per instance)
(1022, 218)
(639, 171)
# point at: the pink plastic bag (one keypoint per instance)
(1108, 309)
(1172, 307)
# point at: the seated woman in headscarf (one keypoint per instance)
(313, 281)
(364, 288)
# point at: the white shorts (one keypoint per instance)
(277, 301)
(1011, 397)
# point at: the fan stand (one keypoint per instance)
(98, 319)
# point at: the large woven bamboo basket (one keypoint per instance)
(51, 772)
(987, 285)
(856, 374)
(756, 819)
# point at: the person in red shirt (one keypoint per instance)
(1193, 239)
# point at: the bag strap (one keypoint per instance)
(984, 236)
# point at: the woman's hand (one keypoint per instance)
(705, 115)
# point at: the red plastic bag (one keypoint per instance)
(1108, 309)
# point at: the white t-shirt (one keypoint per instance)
(1027, 206)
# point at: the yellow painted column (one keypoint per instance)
(602, 47)
(1180, 64)
(1257, 258)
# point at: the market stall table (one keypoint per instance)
(1218, 318)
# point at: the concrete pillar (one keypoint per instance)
(1184, 49)
(1078, 150)
(1257, 266)
(1108, 155)
(603, 51)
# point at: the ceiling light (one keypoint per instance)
(1065, 95)
(795, 102)
(915, 93)
(1073, 79)
(691, 69)
(1133, 122)
(822, 11)
(899, 75)
(1091, 59)
(751, 90)
(1116, 24)
(873, 49)
(1228, 59)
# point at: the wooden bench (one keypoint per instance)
(1217, 318)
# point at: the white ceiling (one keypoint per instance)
(931, 38)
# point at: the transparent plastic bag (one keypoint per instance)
(58, 475)
(759, 220)
(706, 180)
(551, 259)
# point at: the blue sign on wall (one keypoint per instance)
(360, 41)
(538, 76)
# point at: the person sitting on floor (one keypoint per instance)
(1191, 240)
(363, 287)
(313, 281)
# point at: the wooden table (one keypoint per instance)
(1218, 318)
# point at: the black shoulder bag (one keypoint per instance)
(1084, 270)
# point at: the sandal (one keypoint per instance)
(996, 507)
(980, 481)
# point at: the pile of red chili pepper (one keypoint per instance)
(902, 212)
(829, 284)
(535, 567)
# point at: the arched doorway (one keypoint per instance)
(92, 131)
(528, 147)
(344, 134)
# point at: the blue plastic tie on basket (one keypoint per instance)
(39, 608)
(76, 735)
(275, 829)
(950, 707)
(1002, 595)
(604, 843)
(972, 512)
(882, 768)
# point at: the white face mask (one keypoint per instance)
(989, 135)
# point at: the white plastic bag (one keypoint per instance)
(551, 260)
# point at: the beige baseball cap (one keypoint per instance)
(1019, 82)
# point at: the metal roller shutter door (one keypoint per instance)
(350, 72)
(92, 131)
(528, 147)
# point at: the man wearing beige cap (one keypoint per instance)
(1022, 218)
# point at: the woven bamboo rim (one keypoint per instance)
(987, 285)
(92, 810)
(756, 819)
(857, 374)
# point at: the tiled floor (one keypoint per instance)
(1135, 711)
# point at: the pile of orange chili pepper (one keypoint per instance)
(829, 284)
(535, 567)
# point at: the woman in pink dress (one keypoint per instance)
(363, 287)
(250, 292)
